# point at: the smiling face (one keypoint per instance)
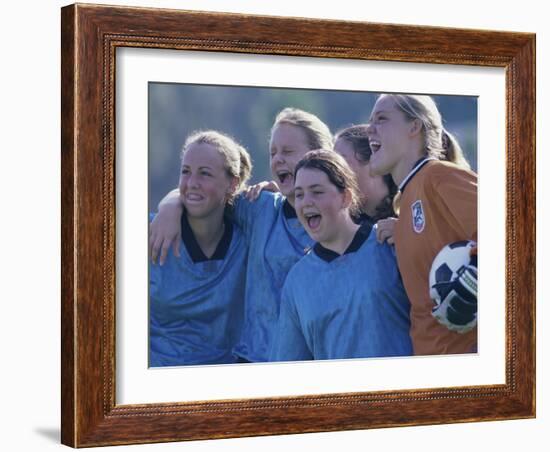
(288, 145)
(204, 182)
(396, 142)
(373, 188)
(321, 207)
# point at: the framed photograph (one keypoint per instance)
(137, 82)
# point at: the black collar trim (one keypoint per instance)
(288, 210)
(358, 239)
(420, 163)
(193, 247)
(364, 219)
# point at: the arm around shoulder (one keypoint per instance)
(165, 229)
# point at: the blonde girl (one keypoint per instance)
(197, 298)
(437, 203)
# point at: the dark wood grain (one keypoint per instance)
(68, 310)
(90, 36)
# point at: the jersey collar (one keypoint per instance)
(416, 168)
(358, 239)
(193, 247)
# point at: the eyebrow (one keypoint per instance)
(299, 187)
(283, 148)
(379, 112)
(200, 167)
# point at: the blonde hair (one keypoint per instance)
(338, 172)
(438, 142)
(317, 132)
(236, 158)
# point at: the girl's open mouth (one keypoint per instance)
(193, 197)
(313, 220)
(374, 145)
(284, 176)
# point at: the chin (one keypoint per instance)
(194, 209)
(193, 213)
(316, 236)
(378, 170)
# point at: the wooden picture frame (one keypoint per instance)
(90, 36)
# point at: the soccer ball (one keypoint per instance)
(445, 267)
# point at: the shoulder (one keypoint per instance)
(269, 198)
(266, 200)
(439, 172)
(257, 213)
(237, 236)
(373, 244)
(305, 267)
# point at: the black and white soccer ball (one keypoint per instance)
(445, 267)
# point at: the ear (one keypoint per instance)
(347, 198)
(416, 127)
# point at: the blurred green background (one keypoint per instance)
(247, 114)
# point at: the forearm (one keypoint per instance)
(165, 229)
(171, 201)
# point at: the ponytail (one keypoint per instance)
(452, 152)
(245, 168)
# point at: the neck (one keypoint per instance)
(346, 232)
(369, 207)
(405, 166)
(208, 231)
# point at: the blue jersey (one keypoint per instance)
(277, 241)
(196, 303)
(344, 306)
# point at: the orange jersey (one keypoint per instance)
(438, 206)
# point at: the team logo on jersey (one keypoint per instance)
(419, 221)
